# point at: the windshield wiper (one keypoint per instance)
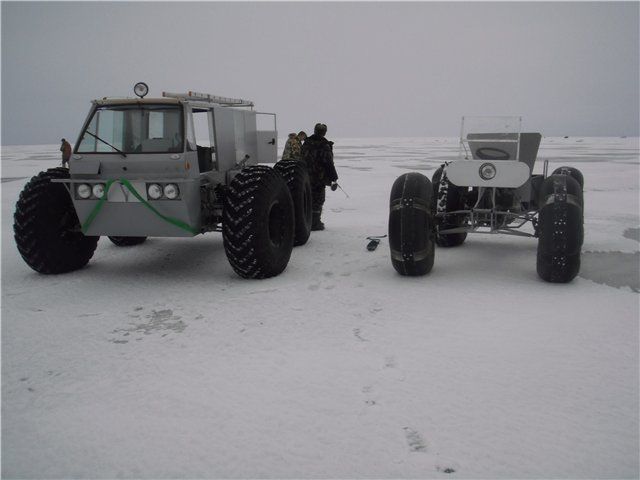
(107, 143)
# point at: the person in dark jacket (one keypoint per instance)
(317, 152)
(65, 148)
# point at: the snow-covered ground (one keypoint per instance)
(158, 361)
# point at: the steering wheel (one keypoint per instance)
(491, 153)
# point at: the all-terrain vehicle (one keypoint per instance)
(491, 188)
(174, 166)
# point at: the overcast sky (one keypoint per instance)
(364, 69)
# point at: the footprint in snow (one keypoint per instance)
(368, 391)
(158, 321)
(414, 440)
(357, 334)
(445, 469)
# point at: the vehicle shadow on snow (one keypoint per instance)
(493, 247)
(615, 269)
(482, 255)
(199, 259)
(517, 259)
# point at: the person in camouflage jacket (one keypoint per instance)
(302, 136)
(292, 149)
(317, 153)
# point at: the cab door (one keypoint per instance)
(267, 137)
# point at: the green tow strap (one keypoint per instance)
(123, 181)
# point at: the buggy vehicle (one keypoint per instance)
(490, 189)
(175, 166)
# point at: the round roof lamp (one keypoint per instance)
(141, 89)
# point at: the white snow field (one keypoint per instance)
(158, 361)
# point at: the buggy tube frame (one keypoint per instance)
(475, 225)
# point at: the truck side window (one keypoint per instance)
(203, 128)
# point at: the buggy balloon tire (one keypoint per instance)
(411, 232)
(296, 177)
(572, 172)
(127, 241)
(46, 227)
(560, 229)
(451, 199)
(258, 223)
(536, 186)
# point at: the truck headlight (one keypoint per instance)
(98, 190)
(171, 191)
(154, 191)
(487, 171)
(83, 190)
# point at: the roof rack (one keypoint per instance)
(205, 97)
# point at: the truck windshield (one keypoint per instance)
(140, 128)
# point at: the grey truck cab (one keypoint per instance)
(174, 166)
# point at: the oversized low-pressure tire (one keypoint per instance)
(46, 228)
(560, 229)
(536, 187)
(411, 229)
(297, 179)
(447, 197)
(258, 223)
(127, 241)
(572, 172)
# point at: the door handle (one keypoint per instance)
(272, 142)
